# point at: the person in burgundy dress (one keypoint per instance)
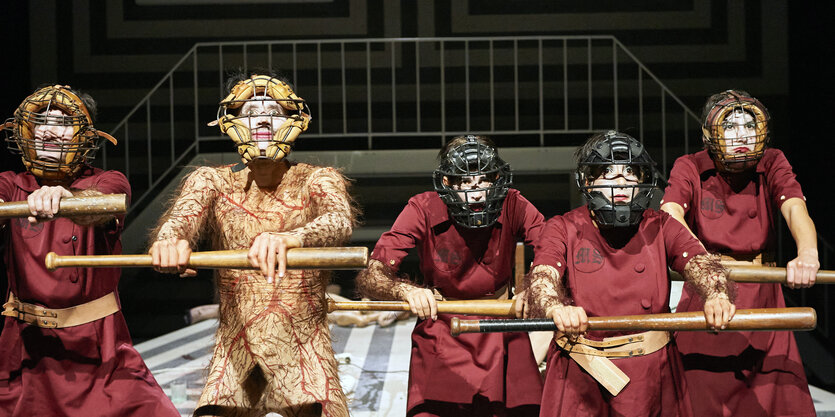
(607, 258)
(728, 195)
(65, 349)
(465, 233)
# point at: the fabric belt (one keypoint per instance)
(593, 355)
(500, 294)
(741, 259)
(61, 317)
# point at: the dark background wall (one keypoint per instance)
(118, 49)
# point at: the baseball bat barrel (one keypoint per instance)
(765, 275)
(498, 308)
(297, 258)
(757, 319)
(73, 206)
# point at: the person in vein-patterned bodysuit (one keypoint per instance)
(273, 349)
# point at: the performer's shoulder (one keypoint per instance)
(210, 171)
(773, 156)
(9, 175)
(577, 215)
(652, 214)
(426, 198)
(698, 160)
(317, 171)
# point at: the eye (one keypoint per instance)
(750, 125)
(628, 170)
(727, 125)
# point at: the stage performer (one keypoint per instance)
(273, 351)
(610, 258)
(65, 349)
(465, 233)
(728, 195)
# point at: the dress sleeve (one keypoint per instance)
(687, 256)
(679, 243)
(532, 221)
(6, 185)
(544, 283)
(187, 216)
(334, 214)
(550, 247)
(681, 184)
(6, 189)
(113, 182)
(782, 181)
(380, 280)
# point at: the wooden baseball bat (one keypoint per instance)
(498, 308)
(765, 274)
(73, 206)
(756, 319)
(297, 258)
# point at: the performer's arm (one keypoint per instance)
(6, 187)
(532, 223)
(334, 213)
(179, 229)
(380, 282)
(546, 298)
(676, 211)
(546, 294)
(45, 202)
(679, 191)
(801, 271)
(702, 271)
(331, 226)
(788, 196)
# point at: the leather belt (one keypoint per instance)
(593, 356)
(617, 347)
(60, 317)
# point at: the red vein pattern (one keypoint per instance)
(273, 349)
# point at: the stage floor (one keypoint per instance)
(373, 367)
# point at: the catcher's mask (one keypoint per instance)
(735, 131)
(617, 148)
(281, 124)
(45, 154)
(485, 178)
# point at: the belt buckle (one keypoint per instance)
(13, 308)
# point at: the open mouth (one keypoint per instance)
(477, 207)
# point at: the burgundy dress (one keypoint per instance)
(86, 370)
(464, 264)
(740, 373)
(609, 281)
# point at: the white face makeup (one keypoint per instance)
(265, 116)
(614, 176)
(52, 135)
(472, 189)
(740, 133)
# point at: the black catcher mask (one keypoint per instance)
(473, 181)
(600, 158)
